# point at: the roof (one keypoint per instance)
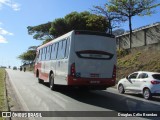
(148, 72)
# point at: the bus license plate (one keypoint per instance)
(94, 75)
(94, 82)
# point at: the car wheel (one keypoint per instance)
(147, 94)
(121, 89)
(51, 82)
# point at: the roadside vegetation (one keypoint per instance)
(129, 62)
(2, 92)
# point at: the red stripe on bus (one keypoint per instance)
(91, 81)
(43, 76)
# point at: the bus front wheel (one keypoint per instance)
(51, 82)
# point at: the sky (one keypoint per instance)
(17, 15)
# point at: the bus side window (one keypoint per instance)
(59, 55)
(63, 48)
(38, 56)
(53, 52)
(56, 50)
(48, 53)
(41, 54)
(44, 54)
(67, 48)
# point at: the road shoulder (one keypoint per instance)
(12, 99)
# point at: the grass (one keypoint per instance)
(137, 61)
(2, 92)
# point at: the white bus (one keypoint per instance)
(78, 59)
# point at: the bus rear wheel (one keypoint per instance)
(40, 81)
(51, 82)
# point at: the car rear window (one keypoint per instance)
(156, 76)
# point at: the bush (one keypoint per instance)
(122, 52)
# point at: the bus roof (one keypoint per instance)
(78, 32)
(56, 39)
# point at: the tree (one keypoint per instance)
(96, 23)
(28, 57)
(40, 32)
(58, 26)
(32, 47)
(130, 8)
(78, 21)
(86, 21)
(114, 19)
(46, 41)
(72, 21)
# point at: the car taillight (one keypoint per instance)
(114, 72)
(155, 82)
(73, 70)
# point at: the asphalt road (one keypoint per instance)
(38, 97)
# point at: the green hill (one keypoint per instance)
(139, 60)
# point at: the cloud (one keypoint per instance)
(2, 39)
(4, 32)
(15, 6)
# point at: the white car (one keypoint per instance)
(145, 83)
